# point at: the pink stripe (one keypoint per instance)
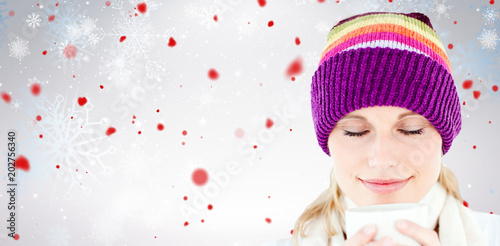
(385, 36)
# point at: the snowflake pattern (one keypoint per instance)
(400, 5)
(16, 105)
(33, 20)
(58, 236)
(3, 17)
(441, 8)
(72, 141)
(19, 48)
(490, 15)
(488, 38)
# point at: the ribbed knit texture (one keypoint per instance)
(388, 59)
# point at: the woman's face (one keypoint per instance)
(383, 153)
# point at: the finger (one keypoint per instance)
(362, 237)
(421, 234)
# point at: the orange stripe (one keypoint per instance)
(389, 28)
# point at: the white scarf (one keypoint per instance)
(457, 225)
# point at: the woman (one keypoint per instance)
(386, 109)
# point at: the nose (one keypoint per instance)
(383, 151)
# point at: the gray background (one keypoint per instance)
(129, 187)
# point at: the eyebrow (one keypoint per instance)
(355, 116)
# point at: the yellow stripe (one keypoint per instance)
(408, 22)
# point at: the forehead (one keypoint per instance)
(375, 112)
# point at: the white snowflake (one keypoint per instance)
(490, 15)
(88, 25)
(440, 8)
(58, 236)
(72, 141)
(422, 6)
(73, 31)
(16, 105)
(33, 20)
(323, 27)
(488, 38)
(93, 39)
(139, 32)
(19, 48)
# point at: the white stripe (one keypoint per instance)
(385, 43)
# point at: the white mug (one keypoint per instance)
(385, 217)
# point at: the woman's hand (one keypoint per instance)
(365, 237)
(426, 237)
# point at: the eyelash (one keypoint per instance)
(407, 133)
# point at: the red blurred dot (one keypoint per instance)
(467, 84)
(268, 196)
(184, 132)
(268, 220)
(200, 176)
(52, 18)
(476, 94)
(290, 129)
(35, 89)
(455, 22)
(41, 136)
(57, 166)
(22, 163)
(102, 87)
(44, 52)
(321, 1)
(185, 198)
(269, 123)
(255, 146)
(474, 147)
(183, 143)
(210, 207)
(108, 3)
(450, 46)
(38, 118)
(139, 132)
(110, 130)
(11, 13)
(202, 221)
(262, 3)
(171, 42)
(297, 41)
(293, 78)
(157, 111)
(466, 204)
(160, 126)
(215, 18)
(141, 7)
(494, 88)
(213, 74)
(239, 133)
(122, 38)
(390, 1)
(186, 223)
(16, 237)
(6, 97)
(492, 1)
(270, 23)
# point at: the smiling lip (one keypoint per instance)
(385, 186)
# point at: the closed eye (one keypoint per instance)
(407, 133)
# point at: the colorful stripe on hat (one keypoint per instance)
(396, 31)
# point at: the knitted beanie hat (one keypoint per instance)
(385, 59)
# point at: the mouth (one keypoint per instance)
(386, 186)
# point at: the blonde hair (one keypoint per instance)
(329, 200)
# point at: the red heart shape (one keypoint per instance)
(82, 101)
(171, 42)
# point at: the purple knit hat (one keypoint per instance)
(385, 59)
